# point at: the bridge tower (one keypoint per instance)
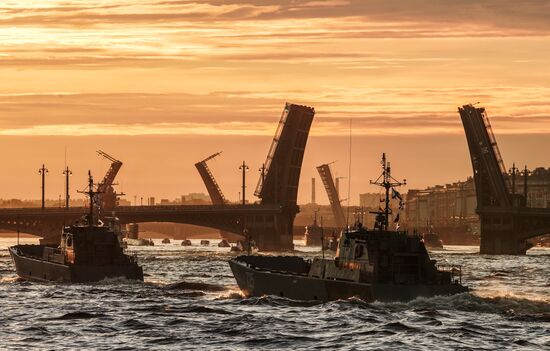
(506, 223)
(333, 196)
(278, 184)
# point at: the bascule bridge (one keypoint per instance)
(333, 196)
(506, 221)
(269, 222)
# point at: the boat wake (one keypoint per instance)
(504, 305)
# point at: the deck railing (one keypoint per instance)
(454, 269)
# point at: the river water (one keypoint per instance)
(508, 309)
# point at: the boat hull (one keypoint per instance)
(34, 269)
(257, 282)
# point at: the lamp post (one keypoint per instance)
(43, 171)
(244, 168)
(513, 172)
(525, 174)
(67, 172)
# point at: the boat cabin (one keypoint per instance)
(95, 245)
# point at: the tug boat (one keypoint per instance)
(432, 241)
(89, 251)
(138, 242)
(313, 233)
(376, 264)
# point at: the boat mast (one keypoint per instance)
(91, 194)
(386, 181)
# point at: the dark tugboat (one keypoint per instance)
(313, 234)
(88, 252)
(431, 239)
(377, 264)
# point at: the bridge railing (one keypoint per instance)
(272, 149)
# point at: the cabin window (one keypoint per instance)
(69, 241)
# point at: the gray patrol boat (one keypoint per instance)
(376, 264)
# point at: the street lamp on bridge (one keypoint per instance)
(244, 168)
(43, 171)
(67, 172)
(525, 174)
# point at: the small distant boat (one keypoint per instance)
(205, 242)
(138, 242)
(166, 241)
(431, 239)
(242, 246)
(186, 242)
(224, 243)
(313, 233)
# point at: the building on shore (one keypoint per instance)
(450, 209)
(441, 204)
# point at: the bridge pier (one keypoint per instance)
(272, 241)
(502, 243)
(273, 232)
(506, 221)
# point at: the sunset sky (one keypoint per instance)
(163, 84)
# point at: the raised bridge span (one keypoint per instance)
(506, 221)
(269, 222)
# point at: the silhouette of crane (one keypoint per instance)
(107, 197)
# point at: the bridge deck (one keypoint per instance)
(77, 211)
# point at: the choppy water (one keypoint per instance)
(508, 309)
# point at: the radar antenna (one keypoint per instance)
(386, 181)
(92, 195)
